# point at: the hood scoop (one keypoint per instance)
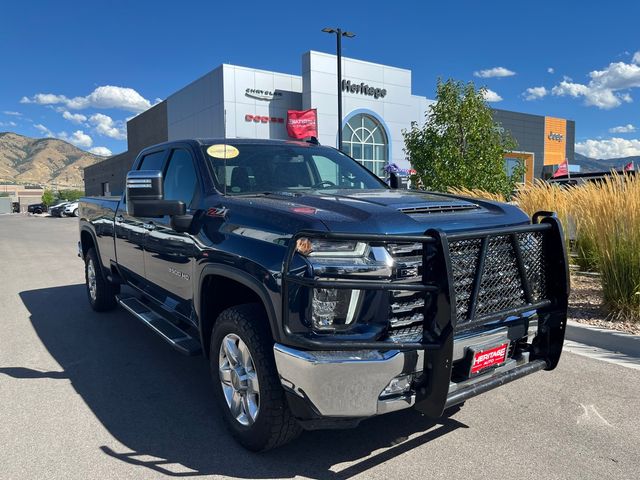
(439, 208)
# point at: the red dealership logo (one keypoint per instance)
(262, 119)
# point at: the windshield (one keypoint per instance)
(253, 168)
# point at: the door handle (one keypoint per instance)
(149, 226)
(119, 219)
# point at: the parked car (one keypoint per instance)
(58, 210)
(37, 208)
(71, 209)
(321, 296)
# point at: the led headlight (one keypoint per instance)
(336, 308)
(332, 308)
(345, 259)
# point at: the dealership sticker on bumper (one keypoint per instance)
(490, 357)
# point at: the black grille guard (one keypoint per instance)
(440, 316)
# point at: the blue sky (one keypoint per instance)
(78, 70)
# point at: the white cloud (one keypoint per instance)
(13, 114)
(494, 72)
(102, 151)
(606, 89)
(8, 124)
(535, 93)
(551, 70)
(491, 96)
(610, 148)
(107, 96)
(77, 138)
(44, 130)
(636, 58)
(105, 125)
(76, 118)
(628, 128)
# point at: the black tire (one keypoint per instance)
(274, 425)
(104, 297)
(75, 212)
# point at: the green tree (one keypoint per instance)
(70, 195)
(48, 197)
(460, 144)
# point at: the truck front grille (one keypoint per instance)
(500, 288)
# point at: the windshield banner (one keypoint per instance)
(302, 123)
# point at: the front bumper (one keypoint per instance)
(355, 384)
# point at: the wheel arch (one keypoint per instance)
(232, 287)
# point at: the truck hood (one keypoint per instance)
(372, 211)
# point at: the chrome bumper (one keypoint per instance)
(355, 384)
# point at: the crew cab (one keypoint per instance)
(319, 295)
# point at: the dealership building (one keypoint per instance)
(378, 104)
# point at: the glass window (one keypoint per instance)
(365, 139)
(510, 164)
(180, 179)
(288, 167)
(152, 161)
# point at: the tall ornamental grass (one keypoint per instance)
(601, 225)
(608, 219)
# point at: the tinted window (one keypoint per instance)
(268, 168)
(153, 161)
(180, 178)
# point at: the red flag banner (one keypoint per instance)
(629, 167)
(563, 169)
(302, 123)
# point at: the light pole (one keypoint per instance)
(339, 34)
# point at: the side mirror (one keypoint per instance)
(145, 196)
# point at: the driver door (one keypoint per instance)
(170, 255)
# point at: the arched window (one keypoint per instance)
(364, 138)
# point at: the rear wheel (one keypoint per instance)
(247, 385)
(75, 212)
(101, 292)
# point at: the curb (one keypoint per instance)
(604, 338)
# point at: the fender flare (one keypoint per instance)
(246, 280)
(92, 234)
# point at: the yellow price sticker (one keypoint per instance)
(223, 151)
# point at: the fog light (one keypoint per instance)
(333, 308)
(397, 386)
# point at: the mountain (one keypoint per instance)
(588, 165)
(45, 161)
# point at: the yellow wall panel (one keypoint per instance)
(555, 140)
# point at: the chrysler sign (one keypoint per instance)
(262, 94)
(363, 89)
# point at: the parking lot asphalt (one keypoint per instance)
(86, 395)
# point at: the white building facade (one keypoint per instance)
(240, 102)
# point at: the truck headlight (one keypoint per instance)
(333, 308)
(337, 308)
(346, 259)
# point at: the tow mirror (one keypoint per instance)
(145, 196)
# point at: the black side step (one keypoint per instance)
(175, 336)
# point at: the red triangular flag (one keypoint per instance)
(563, 169)
(629, 167)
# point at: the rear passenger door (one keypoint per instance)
(170, 255)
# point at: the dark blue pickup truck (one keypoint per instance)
(321, 296)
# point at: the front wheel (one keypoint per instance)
(101, 292)
(247, 385)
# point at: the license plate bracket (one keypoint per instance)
(487, 357)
